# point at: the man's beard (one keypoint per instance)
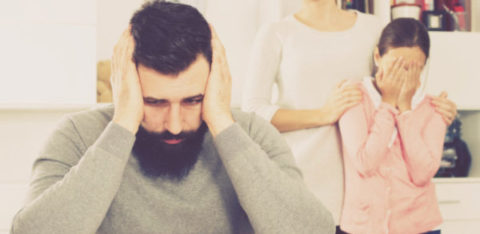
(174, 161)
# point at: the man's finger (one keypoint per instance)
(212, 30)
(123, 39)
(216, 43)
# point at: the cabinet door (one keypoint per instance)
(459, 201)
(459, 204)
(454, 66)
(461, 227)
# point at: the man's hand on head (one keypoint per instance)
(127, 93)
(216, 103)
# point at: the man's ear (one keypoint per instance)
(376, 56)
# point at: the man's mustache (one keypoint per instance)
(166, 135)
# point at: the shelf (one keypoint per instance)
(457, 180)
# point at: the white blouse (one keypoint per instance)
(305, 65)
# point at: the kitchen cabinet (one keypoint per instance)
(459, 203)
(454, 66)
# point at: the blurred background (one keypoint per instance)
(54, 60)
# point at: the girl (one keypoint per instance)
(393, 141)
(307, 55)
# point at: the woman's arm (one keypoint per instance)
(344, 96)
(261, 75)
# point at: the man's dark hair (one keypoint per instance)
(169, 36)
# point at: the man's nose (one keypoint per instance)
(173, 121)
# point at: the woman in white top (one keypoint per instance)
(308, 56)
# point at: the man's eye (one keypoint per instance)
(193, 101)
(154, 102)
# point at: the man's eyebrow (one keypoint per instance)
(153, 99)
(199, 96)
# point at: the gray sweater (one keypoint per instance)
(86, 181)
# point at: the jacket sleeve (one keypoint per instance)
(268, 184)
(366, 144)
(261, 73)
(73, 185)
(422, 141)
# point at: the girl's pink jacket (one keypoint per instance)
(390, 160)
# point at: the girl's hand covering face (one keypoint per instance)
(410, 85)
(390, 80)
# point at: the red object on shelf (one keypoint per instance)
(458, 8)
(460, 13)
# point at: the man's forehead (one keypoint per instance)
(187, 84)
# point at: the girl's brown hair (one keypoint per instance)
(404, 32)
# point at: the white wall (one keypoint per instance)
(112, 19)
(47, 52)
(454, 67)
(47, 60)
(237, 23)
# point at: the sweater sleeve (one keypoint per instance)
(72, 186)
(261, 73)
(422, 143)
(268, 183)
(366, 146)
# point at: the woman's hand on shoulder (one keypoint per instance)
(344, 96)
(446, 107)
